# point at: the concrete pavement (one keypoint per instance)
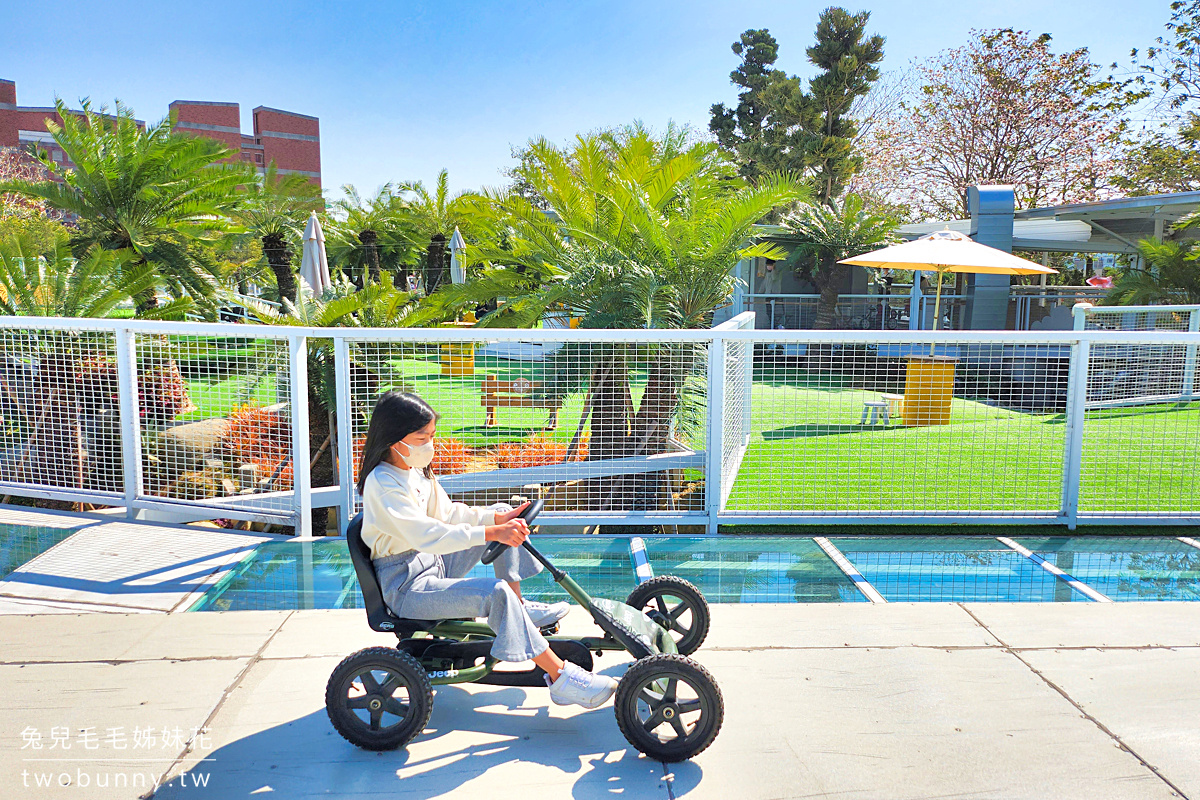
(856, 700)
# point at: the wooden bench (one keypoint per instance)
(515, 394)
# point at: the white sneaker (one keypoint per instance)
(544, 614)
(577, 685)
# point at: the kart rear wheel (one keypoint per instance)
(676, 605)
(379, 698)
(669, 707)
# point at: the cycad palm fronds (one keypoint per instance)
(58, 284)
(152, 191)
(273, 209)
(659, 222)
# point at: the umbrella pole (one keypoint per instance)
(937, 308)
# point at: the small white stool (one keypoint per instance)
(877, 409)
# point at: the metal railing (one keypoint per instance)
(613, 427)
(1030, 308)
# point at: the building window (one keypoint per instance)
(258, 158)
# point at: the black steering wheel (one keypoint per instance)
(494, 549)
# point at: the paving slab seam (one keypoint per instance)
(116, 661)
(1062, 693)
(254, 659)
(945, 647)
(668, 780)
(75, 601)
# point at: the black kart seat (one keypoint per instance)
(379, 616)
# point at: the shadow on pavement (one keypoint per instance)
(496, 731)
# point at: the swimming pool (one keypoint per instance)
(777, 569)
(20, 543)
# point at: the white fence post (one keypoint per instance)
(298, 399)
(1079, 315)
(345, 426)
(1076, 416)
(131, 433)
(1189, 355)
(715, 446)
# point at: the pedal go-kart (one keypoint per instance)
(667, 705)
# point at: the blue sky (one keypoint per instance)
(406, 88)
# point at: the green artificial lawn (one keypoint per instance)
(808, 452)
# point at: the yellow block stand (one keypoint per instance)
(928, 390)
(458, 359)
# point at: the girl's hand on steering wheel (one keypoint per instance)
(504, 516)
(512, 533)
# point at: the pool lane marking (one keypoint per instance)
(1187, 540)
(843, 563)
(1074, 583)
(641, 563)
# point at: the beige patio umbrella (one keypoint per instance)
(314, 267)
(948, 251)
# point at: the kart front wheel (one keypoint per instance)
(379, 698)
(669, 707)
(676, 605)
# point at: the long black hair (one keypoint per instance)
(396, 415)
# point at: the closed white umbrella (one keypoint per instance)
(314, 267)
(458, 273)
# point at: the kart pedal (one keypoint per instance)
(549, 630)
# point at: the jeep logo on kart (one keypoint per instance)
(444, 673)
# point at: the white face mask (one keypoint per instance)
(419, 456)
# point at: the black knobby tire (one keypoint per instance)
(686, 616)
(376, 717)
(659, 718)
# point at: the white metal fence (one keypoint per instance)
(674, 428)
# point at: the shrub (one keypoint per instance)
(263, 438)
(450, 456)
(538, 451)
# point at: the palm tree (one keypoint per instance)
(344, 305)
(829, 232)
(35, 282)
(369, 235)
(637, 232)
(1173, 275)
(274, 208)
(60, 386)
(159, 194)
(434, 216)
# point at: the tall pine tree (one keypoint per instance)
(779, 125)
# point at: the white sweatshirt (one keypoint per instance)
(396, 518)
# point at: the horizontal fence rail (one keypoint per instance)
(682, 429)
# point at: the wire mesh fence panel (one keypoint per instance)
(735, 411)
(215, 420)
(1140, 318)
(1141, 433)
(884, 428)
(60, 409)
(851, 312)
(598, 426)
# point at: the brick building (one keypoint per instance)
(292, 141)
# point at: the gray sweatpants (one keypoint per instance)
(426, 586)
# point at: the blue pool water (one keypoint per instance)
(770, 569)
(21, 543)
(1125, 567)
(967, 569)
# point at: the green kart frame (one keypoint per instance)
(667, 705)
